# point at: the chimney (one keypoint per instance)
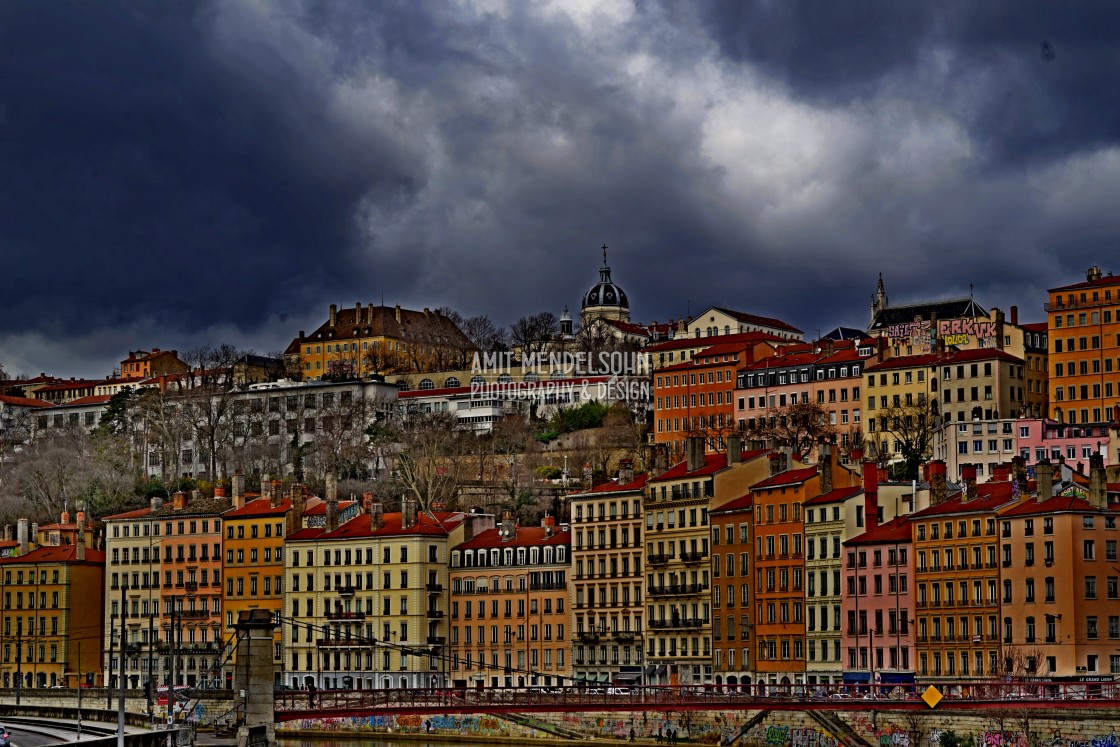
(774, 461)
(266, 486)
(367, 502)
(294, 516)
(35, 532)
(408, 513)
(508, 529)
(660, 459)
(968, 476)
(332, 501)
(871, 495)
(334, 315)
(1014, 315)
(80, 518)
(8, 534)
(376, 518)
(1098, 489)
(21, 535)
(938, 485)
(238, 487)
(397, 312)
(1044, 471)
(1001, 473)
(856, 455)
(65, 517)
(549, 524)
(219, 491)
(824, 467)
(369, 313)
(999, 328)
(178, 500)
(1019, 473)
(196, 494)
(734, 449)
(625, 471)
(357, 313)
(157, 502)
(695, 456)
(80, 542)
(475, 524)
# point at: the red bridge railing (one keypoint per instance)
(964, 695)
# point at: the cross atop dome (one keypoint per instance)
(605, 299)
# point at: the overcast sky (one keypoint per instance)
(177, 174)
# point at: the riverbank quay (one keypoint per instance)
(1060, 726)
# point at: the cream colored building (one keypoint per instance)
(607, 581)
(366, 598)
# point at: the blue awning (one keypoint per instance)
(856, 678)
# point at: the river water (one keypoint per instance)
(375, 740)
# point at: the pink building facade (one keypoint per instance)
(1040, 439)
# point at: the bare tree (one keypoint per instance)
(207, 396)
(429, 453)
(532, 333)
(911, 424)
(380, 360)
(799, 426)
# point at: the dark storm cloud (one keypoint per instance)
(177, 174)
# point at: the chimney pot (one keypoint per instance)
(938, 483)
(1044, 473)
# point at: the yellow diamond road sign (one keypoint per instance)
(932, 696)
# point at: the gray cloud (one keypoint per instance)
(176, 174)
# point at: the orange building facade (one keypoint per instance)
(509, 607)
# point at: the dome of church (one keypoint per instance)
(605, 292)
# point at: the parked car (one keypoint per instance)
(5, 737)
(618, 691)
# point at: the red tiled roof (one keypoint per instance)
(523, 537)
(1098, 283)
(628, 327)
(784, 359)
(23, 401)
(56, 554)
(262, 507)
(836, 495)
(989, 497)
(724, 348)
(637, 483)
(742, 503)
(320, 506)
(789, 477)
(439, 523)
(1056, 504)
(76, 384)
(895, 530)
(1035, 327)
(679, 343)
(134, 514)
(712, 463)
(497, 389)
(93, 399)
(762, 321)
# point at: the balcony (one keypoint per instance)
(667, 590)
(434, 614)
(679, 623)
(191, 587)
(692, 557)
(346, 591)
(345, 615)
(342, 643)
(436, 640)
(192, 614)
(433, 588)
(658, 559)
(587, 636)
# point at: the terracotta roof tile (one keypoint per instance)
(523, 537)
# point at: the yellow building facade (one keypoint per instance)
(52, 600)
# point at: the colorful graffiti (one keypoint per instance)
(963, 331)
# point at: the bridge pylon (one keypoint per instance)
(255, 678)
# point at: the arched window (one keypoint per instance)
(505, 379)
(451, 382)
(531, 376)
(477, 380)
(557, 374)
(427, 384)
